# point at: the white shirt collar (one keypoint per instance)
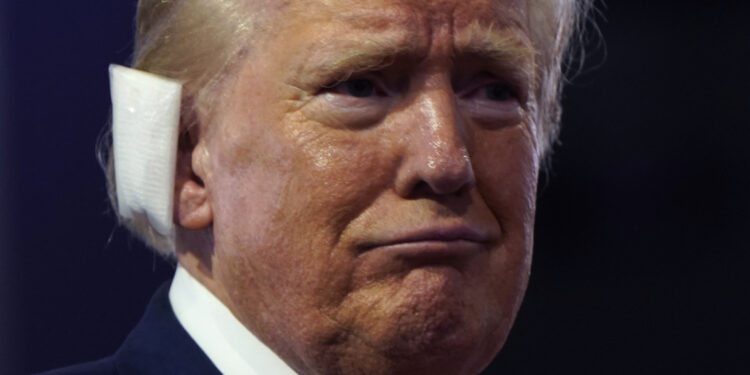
(232, 348)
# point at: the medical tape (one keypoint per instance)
(145, 126)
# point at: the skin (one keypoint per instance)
(358, 231)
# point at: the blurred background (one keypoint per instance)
(641, 246)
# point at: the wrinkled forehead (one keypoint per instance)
(379, 13)
(494, 28)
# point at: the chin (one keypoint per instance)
(433, 321)
(440, 327)
(457, 354)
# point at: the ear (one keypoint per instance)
(192, 204)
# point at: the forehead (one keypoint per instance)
(404, 27)
(437, 9)
(380, 14)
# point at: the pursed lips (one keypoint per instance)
(437, 240)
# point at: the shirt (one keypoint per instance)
(232, 348)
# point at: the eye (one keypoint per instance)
(354, 103)
(490, 100)
(356, 87)
(489, 90)
(498, 92)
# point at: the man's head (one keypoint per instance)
(356, 179)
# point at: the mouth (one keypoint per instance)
(431, 242)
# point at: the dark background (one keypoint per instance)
(641, 255)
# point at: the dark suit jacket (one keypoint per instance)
(157, 346)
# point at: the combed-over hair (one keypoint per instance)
(198, 42)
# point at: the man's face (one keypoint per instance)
(372, 175)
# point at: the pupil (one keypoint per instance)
(360, 88)
(498, 92)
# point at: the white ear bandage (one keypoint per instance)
(145, 125)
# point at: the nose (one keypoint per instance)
(436, 157)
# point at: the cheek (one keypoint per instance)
(339, 174)
(285, 199)
(280, 218)
(245, 191)
(507, 172)
(507, 168)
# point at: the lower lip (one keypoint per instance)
(432, 249)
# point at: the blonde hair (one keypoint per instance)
(199, 41)
(553, 24)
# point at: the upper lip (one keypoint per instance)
(441, 233)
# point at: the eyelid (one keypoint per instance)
(491, 113)
(340, 110)
(481, 80)
(341, 78)
(378, 82)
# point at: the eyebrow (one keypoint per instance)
(356, 56)
(502, 47)
(368, 56)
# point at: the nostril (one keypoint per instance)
(436, 158)
(431, 186)
(449, 175)
(421, 189)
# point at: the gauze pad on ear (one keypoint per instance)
(145, 125)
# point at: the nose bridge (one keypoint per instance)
(439, 127)
(437, 149)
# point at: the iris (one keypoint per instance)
(498, 92)
(358, 87)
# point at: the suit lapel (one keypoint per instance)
(159, 344)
